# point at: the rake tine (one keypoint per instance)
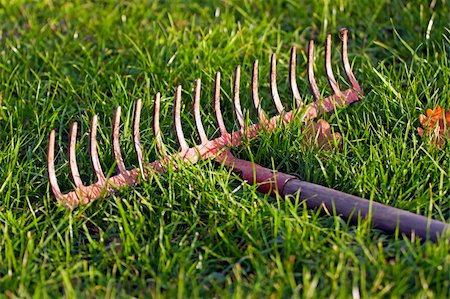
(156, 128)
(273, 84)
(236, 99)
(177, 121)
(343, 33)
(116, 144)
(94, 154)
(329, 70)
(51, 166)
(197, 116)
(137, 137)
(255, 95)
(293, 79)
(218, 112)
(73, 166)
(312, 80)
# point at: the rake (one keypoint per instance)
(350, 207)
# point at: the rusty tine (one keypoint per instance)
(207, 148)
(329, 70)
(156, 128)
(73, 166)
(343, 34)
(197, 116)
(293, 78)
(51, 166)
(237, 100)
(116, 144)
(177, 121)
(311, 78)
(218, 112)
(273, 84)
(94, 154)
(255, 96)
(137, 135)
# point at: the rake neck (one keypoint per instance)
(269, 181)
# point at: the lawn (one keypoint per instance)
(200, 231)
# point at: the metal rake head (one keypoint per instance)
(207, 148)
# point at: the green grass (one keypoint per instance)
(200, 231)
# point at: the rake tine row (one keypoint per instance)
(207, 148)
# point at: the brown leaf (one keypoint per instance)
(435, 125)
(321, 136)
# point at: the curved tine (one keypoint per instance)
(219, 118)
(197, 116)
(51, 166)
(94, 154)
(343, 33)
(137, 136)
(177, 120)
(293, 79)
(156, 127)
(328, 69)
(116, 144)
(312, 80)
(236, 99)
(72, 155)
(255, 95)
(273, 84)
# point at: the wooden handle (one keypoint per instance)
(349, 207)
(383, 217)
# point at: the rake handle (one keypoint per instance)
(350, 207)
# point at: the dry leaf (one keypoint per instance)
(321, 136)
(435, 125)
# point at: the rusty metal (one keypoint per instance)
(207, 148)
